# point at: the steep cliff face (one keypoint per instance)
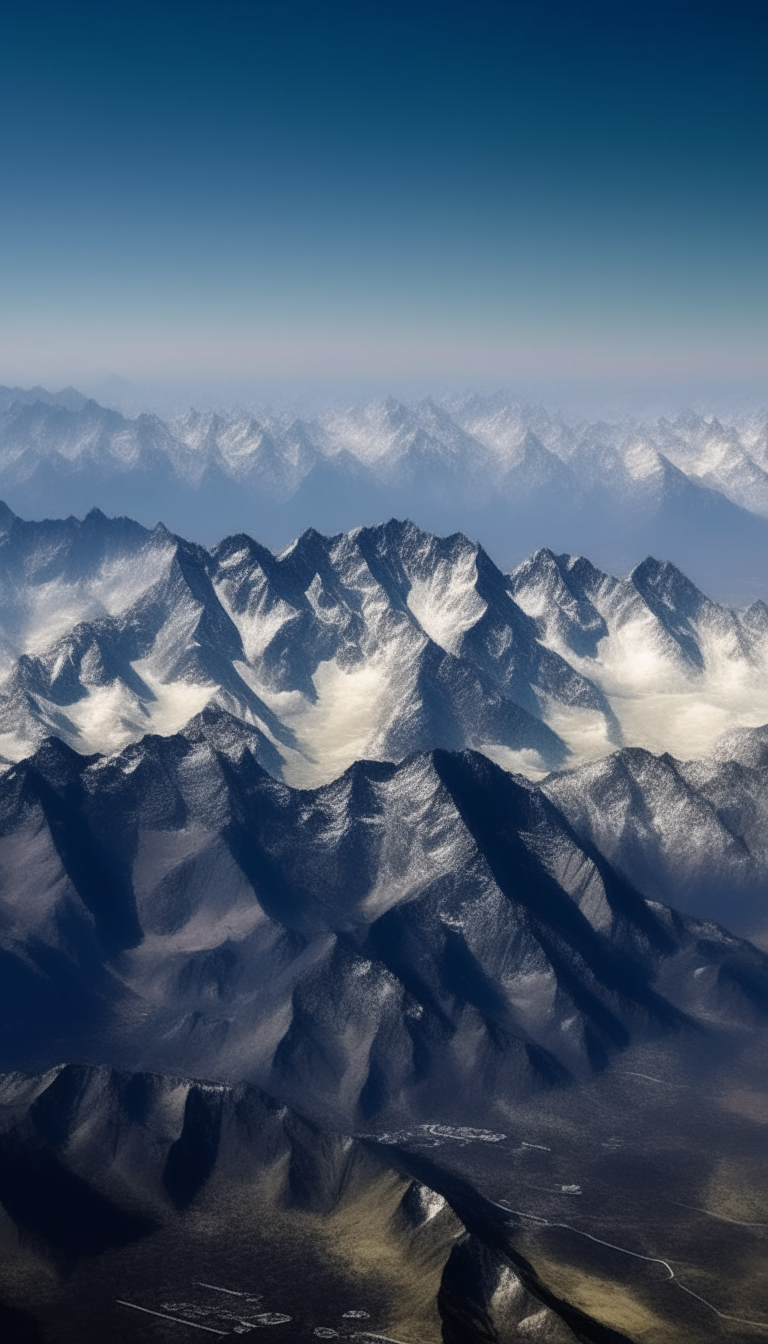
(689, 833)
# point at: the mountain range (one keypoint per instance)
(316, 1037)
(428, 934)
(383, 941)
(373, 644)
(516, 475)
(416, 1062)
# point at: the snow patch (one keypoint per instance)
(336, 729)
(446, 604)
(112, 716)
(527, 762)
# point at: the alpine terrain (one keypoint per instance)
(383, 935)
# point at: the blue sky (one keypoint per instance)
(470, 192)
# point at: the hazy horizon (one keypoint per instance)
(574, 399)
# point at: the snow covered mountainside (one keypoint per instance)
(516, 475)
(677, 669)
(372, 644)
(693, 834)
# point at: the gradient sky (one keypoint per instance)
(473, 191)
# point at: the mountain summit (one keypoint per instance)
(369, 644)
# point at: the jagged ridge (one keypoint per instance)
(426, 935)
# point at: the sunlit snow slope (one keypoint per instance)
(677, 669)
(371, 644)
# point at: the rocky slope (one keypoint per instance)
(409, 938)
(689, 833)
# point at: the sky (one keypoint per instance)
(384, 193)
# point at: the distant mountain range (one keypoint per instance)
(692, 486)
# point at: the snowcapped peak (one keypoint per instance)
(542, 559)
(756, 617)
(643, 461)
(161, 533)
(507, 460)
(367, 644)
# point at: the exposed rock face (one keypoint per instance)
(481, 1298)
(689, 833)
(433, 933)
